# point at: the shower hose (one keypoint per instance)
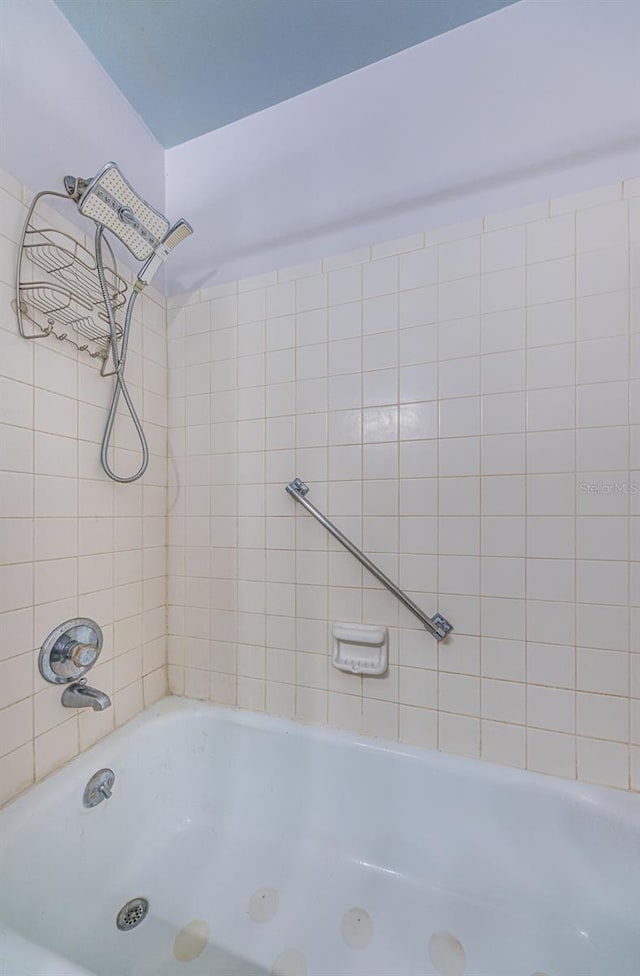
(119, 356)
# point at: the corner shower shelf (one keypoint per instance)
(58, 289)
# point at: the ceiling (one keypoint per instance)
(190, 66)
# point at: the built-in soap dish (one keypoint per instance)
(360, 649)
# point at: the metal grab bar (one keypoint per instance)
(437, 625)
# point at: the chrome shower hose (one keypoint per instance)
(119, 360)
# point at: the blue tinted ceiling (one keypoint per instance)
(190, 66)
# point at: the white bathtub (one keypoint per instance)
(335, 855)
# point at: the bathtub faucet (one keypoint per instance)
(81, 695)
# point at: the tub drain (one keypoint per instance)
(131, 914)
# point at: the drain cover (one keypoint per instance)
(131, 914)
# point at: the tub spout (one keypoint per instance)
(81, 695)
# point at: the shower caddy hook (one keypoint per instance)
(78, 291)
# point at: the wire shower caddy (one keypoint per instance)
(58, 291)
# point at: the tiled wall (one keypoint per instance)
(71, 541)
(465, 404)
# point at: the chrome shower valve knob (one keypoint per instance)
(70, 650)
(69, 654)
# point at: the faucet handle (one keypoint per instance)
(70, 650)
(83, 655)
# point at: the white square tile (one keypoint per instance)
(551, 451)
(551, 281)
(603, 360)
(311, 327)
(551, 238)
(503, 535)
(551, 323)
(458, 338)
(344, 392)
(502, 576)
(503, 413)
(603, 404)
(380, 314)
(311, 292)
(419, 268)
(459, 574)
(551, 708)
(459, 536)
(418, 726)
(311, 361)
(418, 345)
(459, 456)
(599, 316)
(602, 449)
(600, 227)
(551, 366)
(551, 536)
(459, 734)
(602, 271)
(602, 537)
(416, 422)
(503, 249)
(459, 417)
(503, 454)
(503, 331)
(345, 426)
(551, 579)
(503, 495)
(551, 664)
(281, 332)
(503, 701)
(603, 581)
(280, 300)
(345, 285)
(380, 277)
(602, 716)
(252, 306)
(381, 460)
(503, 743)
(602, 626)
(345, 321)
(459, 259)
(503, 372)
(551, 752)
(553, 409)
(459, 299)
(418, 306)
(459, 377)
(606, 763)
(551, 494)
(380, 351)
(503, 290)
(418, 496)
(602, 671)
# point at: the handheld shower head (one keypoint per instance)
(109, 200)
(113, 205)
(180, 230)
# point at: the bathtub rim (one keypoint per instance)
(622, 804)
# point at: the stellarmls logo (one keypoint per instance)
(609, 488)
